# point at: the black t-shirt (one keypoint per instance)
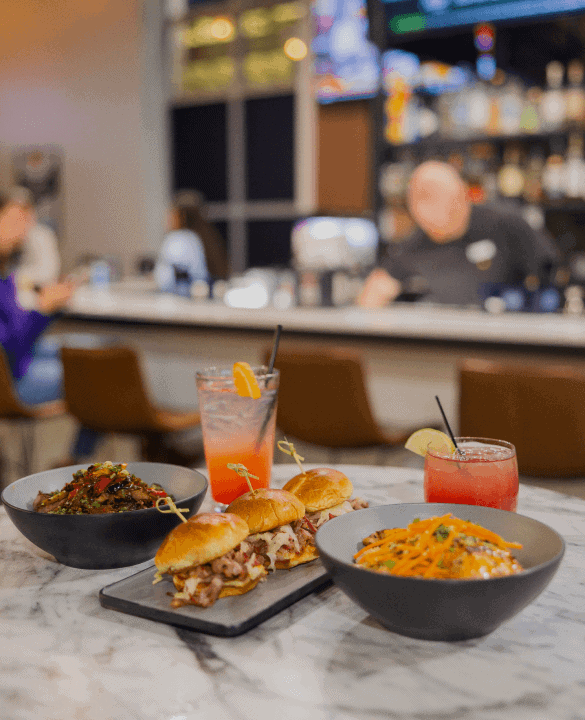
(498, 247)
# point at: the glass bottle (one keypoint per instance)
(552, 177)
(552, 105)
(575, 94)
(532, 192)
(530, 117)
(574, 175)
(510, 175)
(511, 104)
(479, 109)
(493, 127)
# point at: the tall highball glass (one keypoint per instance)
(237, 430)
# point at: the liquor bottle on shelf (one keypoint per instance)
(574, 174)
(490, 177)
(532, 192)
(479, 109)
(511, 104)
(474, 173)
(493, 127)
(530, 118)
(552, 105)
(575, 94)
(553, 182)
(460, 109)
(510, 175)
(443, 107)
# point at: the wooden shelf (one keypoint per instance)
(436, 141)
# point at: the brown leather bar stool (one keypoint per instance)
(24, 416)
(540, 409)
(323, 400)
(105, 391)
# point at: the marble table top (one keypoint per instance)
(64, 657)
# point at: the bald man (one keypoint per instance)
(458, 248)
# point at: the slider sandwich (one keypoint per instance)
(208, 560)
(325, 493)
(277, 531)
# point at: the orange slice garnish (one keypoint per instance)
(245, 381)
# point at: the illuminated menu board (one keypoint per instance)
(415, 16)
(346, 63)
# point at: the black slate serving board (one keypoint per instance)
(228, 617)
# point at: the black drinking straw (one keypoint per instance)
(447, 424)
(273, 353)
(268, 373)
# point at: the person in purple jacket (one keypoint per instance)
(36, 366)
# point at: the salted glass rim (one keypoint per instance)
(483, 440)
(226, 372)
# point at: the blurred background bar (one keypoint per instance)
(207, 170)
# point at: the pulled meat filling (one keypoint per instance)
(314, 520)
(282, 544)
(203, 584)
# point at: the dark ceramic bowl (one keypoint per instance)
(440, 609)
(112, 540)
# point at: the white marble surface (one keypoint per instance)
(63, 657)
(400, 321)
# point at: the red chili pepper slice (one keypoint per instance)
(102, 483)
(160, 493)
(73, 493)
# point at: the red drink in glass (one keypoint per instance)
(485, 473)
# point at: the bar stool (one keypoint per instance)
(23, 416)
(105, 391)
(539, 409)
(323, 400)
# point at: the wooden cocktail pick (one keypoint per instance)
(242, 470)
(290, 450)
(172, 508)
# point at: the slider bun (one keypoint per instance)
(250, 585)
(200, 540)
(320, 488)
(265, 509)
(309, 553)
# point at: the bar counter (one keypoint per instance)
(64, 656)
(410, 352)
(405, 321)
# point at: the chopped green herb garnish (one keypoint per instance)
(390, 564)
(442, 533)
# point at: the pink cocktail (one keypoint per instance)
(237, 430)
(484, 473)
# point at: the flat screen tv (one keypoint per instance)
(405, 18)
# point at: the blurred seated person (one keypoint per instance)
(457, 248)
(35, 366)
(34, 360)
(37, 259)
(192, 250)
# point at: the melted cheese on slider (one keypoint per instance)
(275, 539)
(336, 510)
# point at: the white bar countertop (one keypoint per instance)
(406, 321)
(63, 656)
